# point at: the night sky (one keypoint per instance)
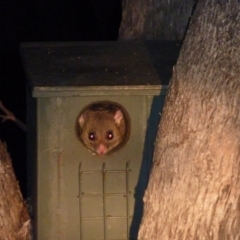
(44, 20)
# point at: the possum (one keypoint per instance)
(102, 127)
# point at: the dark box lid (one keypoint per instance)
(83, 68)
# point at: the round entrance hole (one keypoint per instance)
(103, 127)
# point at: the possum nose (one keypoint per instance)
(101, 149)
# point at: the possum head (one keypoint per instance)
(101, 130)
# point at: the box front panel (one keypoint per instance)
(81, 195)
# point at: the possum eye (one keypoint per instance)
(92, 136)
(110, 135)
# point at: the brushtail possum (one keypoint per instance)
(102, 127)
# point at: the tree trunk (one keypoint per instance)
(194, 187)
(14, 218)
(155, 19)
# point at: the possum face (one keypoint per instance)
(101, 131)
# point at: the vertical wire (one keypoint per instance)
(80, 198)
(104, 200)
(127, 197)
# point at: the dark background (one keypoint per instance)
(43, 20)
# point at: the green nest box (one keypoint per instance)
(77, 194)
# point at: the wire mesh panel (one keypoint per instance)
(104, 204)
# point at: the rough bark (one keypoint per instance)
(14, 218)
(194, 187)
(155, 19)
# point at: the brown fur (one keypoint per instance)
(100, 120)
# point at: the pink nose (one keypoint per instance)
(101, 149)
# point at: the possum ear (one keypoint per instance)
(81, 120)
(118, 116)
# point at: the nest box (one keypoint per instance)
(75, 194)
